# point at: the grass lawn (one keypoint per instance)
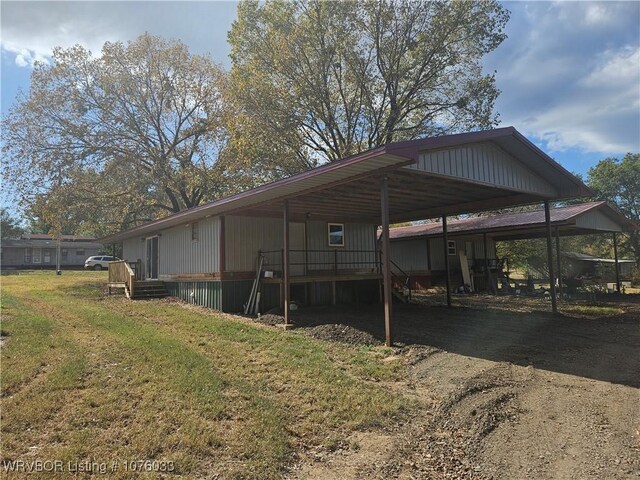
(89, 378)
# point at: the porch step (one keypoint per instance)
(399, 295)
(149, 289)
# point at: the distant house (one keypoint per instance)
(317, 230)
(40, 250)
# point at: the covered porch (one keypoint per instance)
(410, 181)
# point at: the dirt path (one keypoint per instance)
(507, 397)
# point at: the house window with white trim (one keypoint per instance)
(27, 255)
(195, 231)
(451, 247)
(336, 234)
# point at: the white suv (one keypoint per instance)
(99, 262)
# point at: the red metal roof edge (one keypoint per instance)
(609, 210)
(254, 191)
(408, 149)
(586, 191)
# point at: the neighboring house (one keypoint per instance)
(419, 249)
(317, 229)
(40, 250)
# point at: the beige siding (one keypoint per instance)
(178, 253)
(596, 220)
(245, 236)
(410, 255)
(358, 252)
(133, 249)
(485, 164)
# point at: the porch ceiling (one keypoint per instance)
(412, 196)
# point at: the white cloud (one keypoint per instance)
(31, 30)
(570, 74)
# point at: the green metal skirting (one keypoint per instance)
(206, 294)
(230, 296)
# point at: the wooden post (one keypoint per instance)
(447, 269)
(558, 262)
(285, 259)
(552, 277)
(615, 255)
(386, 256)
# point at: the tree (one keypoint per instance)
(318, 81)
(618, 182)
(128, 136)
(9, 226)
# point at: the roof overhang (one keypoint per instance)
(349, 189)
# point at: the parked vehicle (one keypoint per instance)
(99, 262)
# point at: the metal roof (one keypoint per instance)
(583, 257)
(350, 187)
(42, 243)
(504, 225)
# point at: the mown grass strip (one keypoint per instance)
(213, 394)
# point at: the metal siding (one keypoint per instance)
(410, 255)
(357, 236)
(486, 164)
(206, 294)
(596, 220)
(133, 249)
(244, 236)
(178, 253)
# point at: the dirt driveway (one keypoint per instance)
(506, 390)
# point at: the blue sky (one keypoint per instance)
(569, 72)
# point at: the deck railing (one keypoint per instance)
(310, 262)
(124, 274)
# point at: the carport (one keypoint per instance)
(571, 220)
(407, 181)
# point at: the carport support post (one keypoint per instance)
(615, 256)
(285, 262)
(552, 277)
(558, 261)
(386, 257)
(445, 236)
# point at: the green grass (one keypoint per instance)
(91, 378)
(592, 309)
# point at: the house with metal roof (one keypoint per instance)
(419, 249)
(312, 238)
(39, 251)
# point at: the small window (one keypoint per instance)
(47, 256)
(451, 247)
(27, 255)
(80, 251)
(336, 234)
(65, 253)
(195, 227)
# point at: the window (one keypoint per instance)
(195, 227)
(65, 253)
(336, 234)
(80, 251)
(451, 247)
(27, 255)
(37, 255)
(47, 256)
